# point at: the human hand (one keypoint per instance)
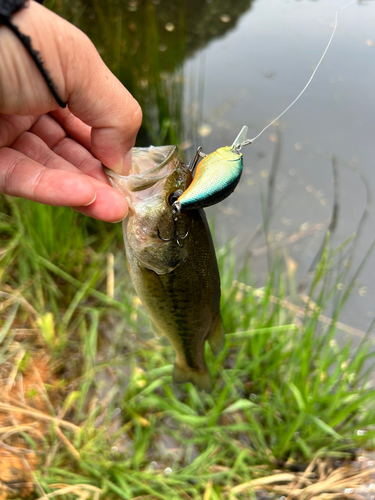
(53, 155)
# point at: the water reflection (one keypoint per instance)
(145, 44)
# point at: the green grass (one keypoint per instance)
(287, 387)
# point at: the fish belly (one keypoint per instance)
(184, 304)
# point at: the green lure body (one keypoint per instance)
(216, 177)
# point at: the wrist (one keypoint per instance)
(32, 77)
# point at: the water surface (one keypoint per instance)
(202, 69)
(257, 70)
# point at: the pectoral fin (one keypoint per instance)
(157, 331)
(216, 338)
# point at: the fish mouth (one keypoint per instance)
(149, 166)
(147, 160)
(152, 159)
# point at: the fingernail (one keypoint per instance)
(91, 202)
(116, 221)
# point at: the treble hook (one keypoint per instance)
(194, 162)
(179, 239)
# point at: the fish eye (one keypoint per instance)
(173, 197)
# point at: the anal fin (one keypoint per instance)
(216, 338)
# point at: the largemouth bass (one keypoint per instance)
(172, 260)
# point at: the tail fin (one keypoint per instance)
(199, 379)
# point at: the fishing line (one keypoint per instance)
(249, 141)
(205, 190)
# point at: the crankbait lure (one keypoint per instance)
(215, 177)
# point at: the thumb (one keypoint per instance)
(98, 98)
(101, 101)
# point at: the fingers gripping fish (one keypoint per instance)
(170, 253)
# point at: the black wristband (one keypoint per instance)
(7, 9)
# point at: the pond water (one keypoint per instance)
(202, 69)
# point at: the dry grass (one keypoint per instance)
(322, 480)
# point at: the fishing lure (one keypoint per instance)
(215, 177)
